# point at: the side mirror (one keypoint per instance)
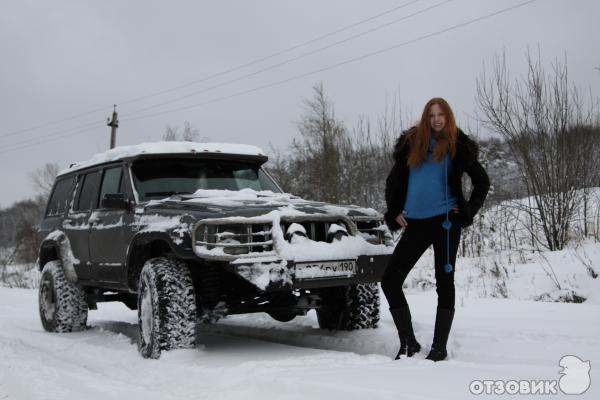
(114, 200)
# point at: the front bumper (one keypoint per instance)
(271, 274)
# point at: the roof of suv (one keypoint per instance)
(122, 152)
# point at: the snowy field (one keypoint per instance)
(255, 357)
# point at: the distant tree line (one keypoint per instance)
(20, 222)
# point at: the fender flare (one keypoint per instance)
(145, 240)
(58, 241)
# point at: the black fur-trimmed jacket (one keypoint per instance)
(465, 161)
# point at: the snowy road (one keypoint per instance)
(252, 356)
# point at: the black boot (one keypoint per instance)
(443, 323)
(408, 343)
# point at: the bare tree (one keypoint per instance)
(189, 134)
(279, 168)
(329, 162)
(170, 134)
(19, 240)
(43, 178)
(317, 152)
(543, 118)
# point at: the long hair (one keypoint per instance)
(420, 136)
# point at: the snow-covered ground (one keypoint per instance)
(500, 333)
(254, 357)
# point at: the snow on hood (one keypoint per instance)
(166, 148)
(236, 198)
(286, 203)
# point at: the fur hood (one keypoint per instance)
(466, 148)
(465, 161)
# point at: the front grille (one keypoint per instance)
(235, 238)
(371, 230)
(315, 230)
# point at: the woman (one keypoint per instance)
(424, 196)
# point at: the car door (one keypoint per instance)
(108, 236)
(58, 204)
(77, 225)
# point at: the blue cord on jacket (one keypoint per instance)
(447, 224)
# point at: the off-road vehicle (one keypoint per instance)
(191, 232)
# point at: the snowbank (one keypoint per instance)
(526, 275)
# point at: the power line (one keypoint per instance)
(296, 77)
(279, 64)
(36, 141)
(54, 122)
(352, 60)
(79, 128)
(278, 53)
(289, 60)
(209, 77)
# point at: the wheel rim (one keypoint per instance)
(48, 300)
(146, 315)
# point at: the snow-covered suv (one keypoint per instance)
(187, 232)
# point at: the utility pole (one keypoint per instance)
(114, 124)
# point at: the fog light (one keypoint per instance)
(336, 232)
(295, 230)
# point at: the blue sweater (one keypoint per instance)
(428, 191)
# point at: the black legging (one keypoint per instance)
(417, 237)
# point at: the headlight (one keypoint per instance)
(295, 230)
(373, 231)
(336, 232)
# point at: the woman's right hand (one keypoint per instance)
(401, 220)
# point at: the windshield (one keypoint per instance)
(160, 178)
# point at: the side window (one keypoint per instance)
(111, 182)
(59, 199)
(88, 194)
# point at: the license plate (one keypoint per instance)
(326, 269)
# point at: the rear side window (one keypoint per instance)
(88, 196)
(59, 199)
(111, 182)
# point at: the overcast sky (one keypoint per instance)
(61, 59)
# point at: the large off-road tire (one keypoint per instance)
(167, 313)
(62, 303)
(349, 307)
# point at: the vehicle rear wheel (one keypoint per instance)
(349, 307)
(62, 303)
(167, 312)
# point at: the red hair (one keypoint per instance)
(420, 136)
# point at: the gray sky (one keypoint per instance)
(64, 58)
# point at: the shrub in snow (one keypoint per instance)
(24, 276)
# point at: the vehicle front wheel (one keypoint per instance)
(61, 302)
(167, 313)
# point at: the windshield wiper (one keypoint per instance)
(165, 194)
